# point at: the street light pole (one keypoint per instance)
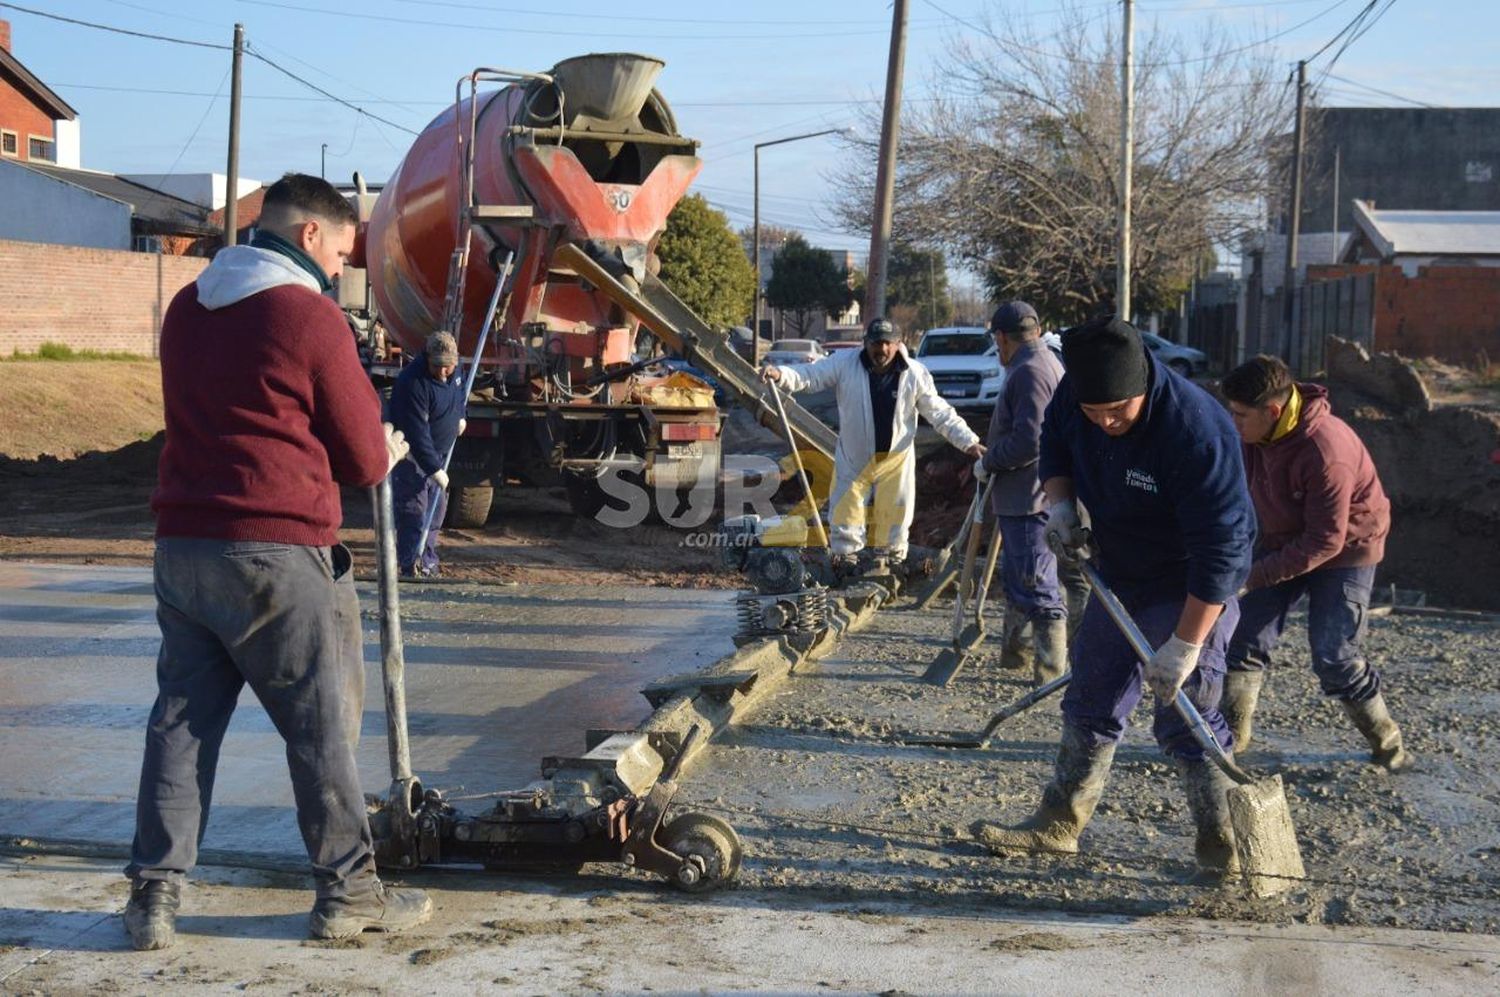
(755, 332)
(323, 162)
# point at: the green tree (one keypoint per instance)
(805, 282)
(703, 263)
(917, 279)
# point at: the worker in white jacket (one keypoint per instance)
(880, 392)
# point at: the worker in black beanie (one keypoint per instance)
(1156, 462)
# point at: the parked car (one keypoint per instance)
(784, 352)
(965, 365)
(1183, 359)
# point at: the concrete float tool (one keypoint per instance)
(1264, 836)
(966, 639)
(982, 739)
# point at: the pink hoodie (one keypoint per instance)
(1317, 497)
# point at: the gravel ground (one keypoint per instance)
(825, 804)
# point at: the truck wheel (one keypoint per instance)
(585, 497)
(469, 506)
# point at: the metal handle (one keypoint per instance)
(484, 333)
(1026, 702)
(791, 440)
(392, 656)
(1202, 733)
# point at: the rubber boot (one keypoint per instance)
(1014, 652)
(1050, 645)
(377, 909)
(1207, 790)
(1241, 693)
(1067, 803)
(151, 914)
(1375, 723)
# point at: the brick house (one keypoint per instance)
(36, 125)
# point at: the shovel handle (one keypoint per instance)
(1200, 729)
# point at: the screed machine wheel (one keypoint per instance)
(710, 848)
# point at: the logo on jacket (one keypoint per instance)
(1135, 478)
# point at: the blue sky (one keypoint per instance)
(736, 73)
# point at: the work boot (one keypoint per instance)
(1014, 652)
(378, 909)
(1241, 693)
(1067, 803)
(151, 914)
(1049, 640)
(1375, 723)
(1207, 790)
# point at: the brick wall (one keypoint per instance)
(90, 299)
(1451, 313)
(19, 114)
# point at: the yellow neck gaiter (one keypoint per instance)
(1290, 416)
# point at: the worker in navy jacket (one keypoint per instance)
(427, 404)
(1155, 461)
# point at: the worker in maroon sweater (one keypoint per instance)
(1323, 523)
(267, 412)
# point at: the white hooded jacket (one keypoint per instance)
(237, 272)
(915, 395)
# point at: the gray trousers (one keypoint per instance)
(284, 619)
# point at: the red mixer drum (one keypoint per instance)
(593, 150)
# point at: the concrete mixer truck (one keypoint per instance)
(524, 219)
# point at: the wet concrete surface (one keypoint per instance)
(497, 677)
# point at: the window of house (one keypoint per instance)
(10, 143)
(146, 244)
(42, 149)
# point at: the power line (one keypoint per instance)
(1061, 57)
(115, 30)
(550, 32)
(614, 18)
(333, 97)
(1377, 90)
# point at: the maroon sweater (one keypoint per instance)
(1317, 497)
(267, 411)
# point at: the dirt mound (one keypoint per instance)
(72, 407)
(1439, 468)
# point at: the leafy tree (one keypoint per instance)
(1013, 167)
(702, 263)
(917, 280)
(805, 282)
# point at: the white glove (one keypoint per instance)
(441, 477)
(1170, 666)
(396, 447)
(463, 424)
(981, 473)
(1064, 532)
(770, 373)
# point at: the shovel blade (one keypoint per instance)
(1264, 837)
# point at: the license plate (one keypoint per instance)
(685, 450)
(954, 393)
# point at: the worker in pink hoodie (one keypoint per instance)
(1323, 522)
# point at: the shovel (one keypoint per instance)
(965, 639)
(791, 441)
(1263, 833)
(982, 739)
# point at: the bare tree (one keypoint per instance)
(1012, 167)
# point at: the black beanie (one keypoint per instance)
(1106, 361)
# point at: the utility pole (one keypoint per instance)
(1336, 246)
(885, 174)
(932, 290)
(323, 161)
(232, 182)
(1127, 156)
(1294, 219)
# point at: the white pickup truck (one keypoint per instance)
(965, 365)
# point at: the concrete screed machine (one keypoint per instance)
(524, 219)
